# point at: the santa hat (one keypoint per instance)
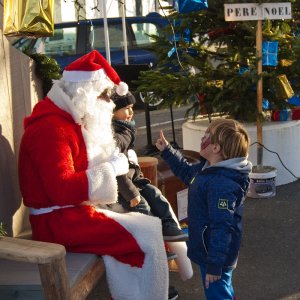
(123, 101)
(93, 67)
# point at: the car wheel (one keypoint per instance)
(153, 100)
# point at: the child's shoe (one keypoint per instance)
(171, 233)
(173, 294)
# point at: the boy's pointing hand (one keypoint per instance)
(161, 142)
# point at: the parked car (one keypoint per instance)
(73, 39)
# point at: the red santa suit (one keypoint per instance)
(68, 157)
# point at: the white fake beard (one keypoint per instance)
(96, 124)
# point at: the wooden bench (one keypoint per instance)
(39, 270)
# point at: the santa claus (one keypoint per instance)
(68, 164)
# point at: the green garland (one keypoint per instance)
(46, 69)
(3, 231)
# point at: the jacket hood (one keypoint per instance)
(45, 108)
(241, 164)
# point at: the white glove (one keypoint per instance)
(132, 157)
(119, 163)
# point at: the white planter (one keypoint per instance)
(280, 137)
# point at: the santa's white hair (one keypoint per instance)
(84, 102)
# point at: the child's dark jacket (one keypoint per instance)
(215, 208)
(130, 183)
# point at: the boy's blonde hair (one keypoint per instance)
(231, 136)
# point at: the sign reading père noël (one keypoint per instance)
(256, 11)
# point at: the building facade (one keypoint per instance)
(70, 10)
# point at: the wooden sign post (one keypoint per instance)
(259, 94)
(259, 12)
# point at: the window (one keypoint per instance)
(141, 32)
(24, 44)
(97, 39)
(62, 43)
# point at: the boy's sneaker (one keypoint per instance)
(171, 233)
(171, 255)
(173, 294)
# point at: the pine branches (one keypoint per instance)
(220, 62)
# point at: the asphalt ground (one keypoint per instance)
(269, 264)
(158, 120)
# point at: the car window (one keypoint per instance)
(24, 44)
(141, 32)
(62, 43)
(76, 38)
(97, 39)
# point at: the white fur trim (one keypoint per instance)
(79, 76)
(100, 192)
(180, 248)
(183, 262)
(132, 156)
(150, 282)
(63, 101)
(122, 88)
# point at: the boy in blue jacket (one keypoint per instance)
(217, 189)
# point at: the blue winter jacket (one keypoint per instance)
(215, 207)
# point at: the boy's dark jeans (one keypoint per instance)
(152, 203)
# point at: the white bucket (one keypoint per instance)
(262, 182)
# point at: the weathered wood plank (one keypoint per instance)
(55, 280)
(22, 279)
(30, 251)
(83, 288)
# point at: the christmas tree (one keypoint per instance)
(211, 64)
